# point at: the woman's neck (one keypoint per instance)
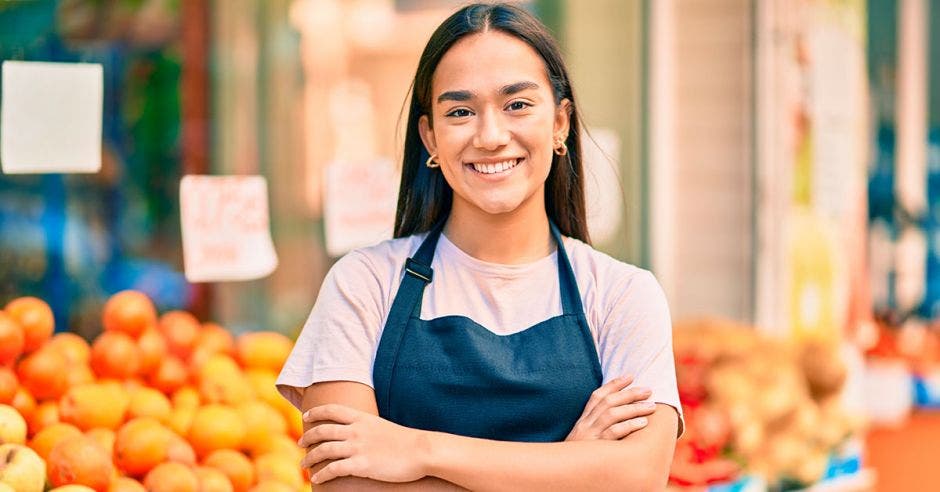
(521, 236)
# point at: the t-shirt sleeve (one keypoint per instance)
(636, 338)
(337, 341)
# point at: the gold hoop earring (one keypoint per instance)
(561, 148)
(430, 162)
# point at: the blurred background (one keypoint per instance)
(776, 164)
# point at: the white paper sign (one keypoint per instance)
(225, 224)
(51, 117)
(360, 204)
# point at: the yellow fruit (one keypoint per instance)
(263, 350)
(216, 427)
(213, 480)
(262, 425)
(278, 467)
(46, 439)
(12, 426)
(88, 406)
(148, 402)
(235, 465)
(21, 468)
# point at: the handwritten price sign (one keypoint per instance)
(360, 203)
(225, 225)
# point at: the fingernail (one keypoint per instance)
(639, 422)
(314, 479)
(306, 415)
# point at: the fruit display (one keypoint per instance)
(154, 402)
(756, 406)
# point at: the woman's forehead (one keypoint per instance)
(486, 63)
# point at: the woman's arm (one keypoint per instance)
(365, 445)
(360, 397)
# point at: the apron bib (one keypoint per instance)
(450, 374)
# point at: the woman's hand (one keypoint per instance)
(364, 445)
(613, 412)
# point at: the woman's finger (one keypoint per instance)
(332, 450)
(335, 412)
(341, 468)
(324, 432)
(624, 412)
(623, 429)
(612, 386)
(613, 400)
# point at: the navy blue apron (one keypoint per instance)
(453, 375)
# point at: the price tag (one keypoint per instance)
(51, 117)
(225, 225)
(360, 203)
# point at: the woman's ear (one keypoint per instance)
(427, 134)
(562, 118)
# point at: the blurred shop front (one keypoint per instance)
(774, 163)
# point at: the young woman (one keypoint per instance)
(488, 346)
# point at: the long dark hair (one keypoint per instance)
(425, 197)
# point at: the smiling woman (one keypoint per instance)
(488, 346)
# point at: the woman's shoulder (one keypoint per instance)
(601, 268)
(382, 259)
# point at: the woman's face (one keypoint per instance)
(494, 123)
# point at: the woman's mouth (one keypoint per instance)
(495, 168)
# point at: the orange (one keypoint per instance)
(152, 350)
(180, 451)
(263, 350)
(181, 419)
(279, 467)
(46, 439)
(24, 403)
(170, 375)
(129, 311)
(80, 374)
(220, 380)
(262, 424)
(235, 465)
(93, 405)
(8, 384)
(213, 480)
(75, 349)
(171, 477)
(140, 445)
(46, 414)
(80, 460)
(262, 382)
(282, 444)
(269, 485)
(44, 373)
(217, 338)
(35, 317)
(104, 437)
(12, 339)
(216, 427)
(115, 355)
(186, 397)
(181, 329)
(126, 484)
(148, 402)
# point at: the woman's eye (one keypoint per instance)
(518, 105)
(460, 113)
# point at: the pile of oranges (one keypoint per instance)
(155, 403)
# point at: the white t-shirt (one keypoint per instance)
(624, 306)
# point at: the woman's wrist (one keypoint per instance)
(427, 445)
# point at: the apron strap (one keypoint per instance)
(407, 303)
(570, 299)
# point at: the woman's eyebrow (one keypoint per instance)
(506, 90)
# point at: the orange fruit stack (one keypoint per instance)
(154, 402)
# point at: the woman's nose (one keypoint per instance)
(492, 132)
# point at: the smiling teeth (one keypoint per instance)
(495, 168)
